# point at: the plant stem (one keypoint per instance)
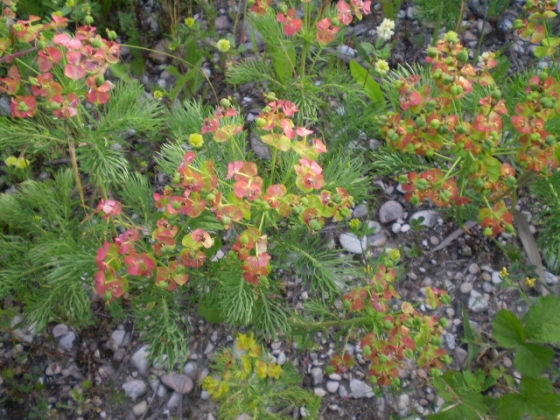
(72, 150)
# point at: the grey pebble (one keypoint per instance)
(477, 302)
(317, 375)
(466, 287)
(332, 386)
(390, 211)
(134, 389)
(177, 382)
(140, 360)
(359, 389)
(66, 341)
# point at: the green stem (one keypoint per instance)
(72, 150)
(325, 324)
(438, 25)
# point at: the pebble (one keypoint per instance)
(360, 212)
(140, 408)
(117, 338)
(66, 341)
(159, 49)
(487, 287)
(403, 404)
(204, 395)
(342, 392)
(320, 392)
(352, 243)
(496, 278)
(477, 302)
(405, 228)
(177, 382)
(60, 330)
(486, 276)
(317, 375)
(550, 278)
(190, 370)
(434, 240)
(396, 227)
(390, 211)
(359, 389)
(450, 341)
(506, 361)
(332, 386)
(335, 377)
(140, 360)
(461, 356)
(53, 369)
(134, 389)
(174, 400)
(474, 268)
(430, 217)
(281, 359)
(466, 287)
(221, 23)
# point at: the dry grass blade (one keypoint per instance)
(530, 247)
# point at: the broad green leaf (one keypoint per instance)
(542, 322)
(532, 359)
(542, 51)
(283, 61)
(363, 78)
(537, 399)
(494, 168)
(508, 331)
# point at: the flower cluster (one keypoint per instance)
(243, 194)
(83, 57)
(396, 337)
(428, 125)
(248, 364)
(386, 29)
(327, 27)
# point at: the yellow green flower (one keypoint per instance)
(504, 273)
(22, 163)
(196, 140)
(355, 223)
(274, 370)
(190, 22)
(11, 161)
(530, 281)
(381, 66)
(261, 369)
(223, 45)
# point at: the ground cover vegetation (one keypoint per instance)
(228, 226)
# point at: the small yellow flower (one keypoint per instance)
(368, 269)
(274, 370)
(395, 254)
(223, 45)
(196, 140)
(261, 369)
(504, 273)
(158, 94)
(11, 161)
(355, 223)
(190, 22)
(382, 67)
(530, 281)
(22, 163)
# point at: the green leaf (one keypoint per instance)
(283, 61)
(542, 51)
(532, 359)
(508, 331)
(537, 399)
(494, 168)
(363, 78)
(542, 322)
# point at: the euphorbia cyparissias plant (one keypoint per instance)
(466, 147)
(62, 60)
(246, 199)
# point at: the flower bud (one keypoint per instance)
(435, 123)
(315, 224)
(446, 359)
(111, 35)
(383, 358)
(435, 372)
(442, 129)
(225, 103)
(550, 140)
(543, 76)
(447, 79)
(496, 94)
(396, 382)
(176, 178)
(510, 229)
(345, 212)
(430, 152)
(463, 56)
(226, 220)
(420, 121)
(511, 182)
(487, 231)
(366, 351)
(518, 24)
(444, 322)
(414, 200)
(88, 20)
(107, 295)
(432, 52)
(270, 96)
(388, 325)
(335, 21)
(97, 42)
(261, 122)
(437, 74)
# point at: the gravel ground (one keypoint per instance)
(103, 372)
